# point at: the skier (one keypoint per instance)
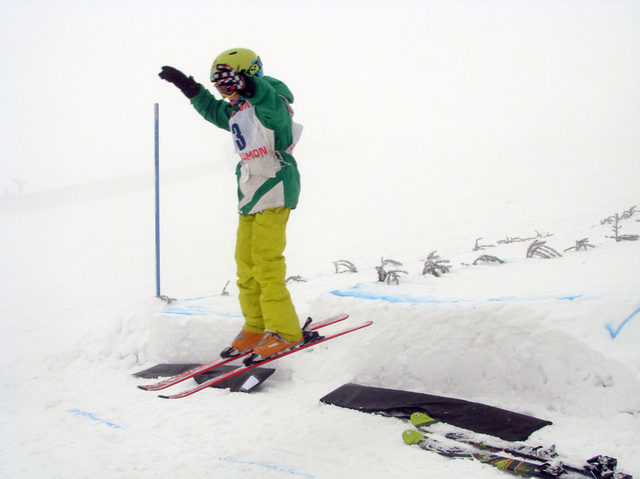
(259, 116)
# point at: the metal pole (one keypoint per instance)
(157, 175)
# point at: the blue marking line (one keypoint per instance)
(199, 312)
(357, 292)
(93, 417)
(202, 306)
(615, 332)
(266, 466)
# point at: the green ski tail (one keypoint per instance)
(458, 451)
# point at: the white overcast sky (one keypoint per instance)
(492, 80)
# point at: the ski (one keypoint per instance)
(460, 450)
(537, 453)
(165, 383)
(598, 467)
(315, 339)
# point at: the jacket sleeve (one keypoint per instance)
(216, 111)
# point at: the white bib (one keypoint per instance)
(250, 138)
(255, 143)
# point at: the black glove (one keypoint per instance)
(229, 79)
(188, 86)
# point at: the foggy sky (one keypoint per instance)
(457, 83)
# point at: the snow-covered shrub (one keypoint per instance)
(344, 266)
(541, 250)
(392, 275)
(616, 226)
(485, 258)
(581, 244)
(435, 265)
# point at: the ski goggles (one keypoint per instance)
(225, 91)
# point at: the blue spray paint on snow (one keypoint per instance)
(357, 292)
(201, 306)
(266, 466)
(614, 332)
(200, 311)
(93, 417)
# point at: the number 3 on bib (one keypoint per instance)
(239, 139)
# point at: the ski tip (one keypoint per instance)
(412, 437)
(419, 419)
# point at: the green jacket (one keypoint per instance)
(267, 173)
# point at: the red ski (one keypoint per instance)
(219, 362)
(240, 370)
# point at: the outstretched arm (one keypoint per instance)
(216, 111)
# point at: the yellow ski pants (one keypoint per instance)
(265, 301)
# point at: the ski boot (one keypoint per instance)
(244, 342)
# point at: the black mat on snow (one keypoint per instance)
(476, 417)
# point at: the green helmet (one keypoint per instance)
(241, 60)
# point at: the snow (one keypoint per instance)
(492, 152)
